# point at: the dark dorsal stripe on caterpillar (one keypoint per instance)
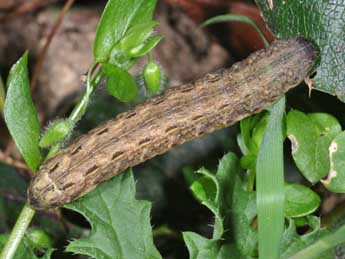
(182, 113)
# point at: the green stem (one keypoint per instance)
(81, 106)
(18, 232)
(27, 212)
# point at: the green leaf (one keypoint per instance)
(293, 243)
(117, 18)
(145, 48)
(300, 200)
(234, 209)
(120, 223)
(310, 136)
(120, 83)
(304, 135)
(202, 248)
(25, 249)
(247, 125)
(335, 181)
(270, 184)
(257, 135)
(329, 128)
(20, 114)
(326, 123)
(321, 22)
(56, 132)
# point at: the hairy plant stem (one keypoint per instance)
(27, 212)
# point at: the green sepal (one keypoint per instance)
(57, 132)
(137, 35)
(152, 76)
(145, 48)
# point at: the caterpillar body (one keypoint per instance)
(182, 113)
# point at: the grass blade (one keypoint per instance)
(270, 185)
(236, 18)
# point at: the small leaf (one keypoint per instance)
(117, 18)
(304, 134)
(56, 132)
(120, 83)
(248, 162)
(203, 189)
(152, 77)
(247, 125)
(39, 239)
(300, 200)
(145, 48)
(20, 114)
(137, 35)
(335, 181)
(257, 135)
(120, 224)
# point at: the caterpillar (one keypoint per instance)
(180, 114)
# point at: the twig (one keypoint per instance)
(42, 54)
(25, 8)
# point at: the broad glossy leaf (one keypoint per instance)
(323, 23)
(20, 113)
(120, 83)
(117, 18)
(300, 200)
(120, 224)
(335, 181)
(326, 123)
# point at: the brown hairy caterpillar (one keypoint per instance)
(181, 114)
